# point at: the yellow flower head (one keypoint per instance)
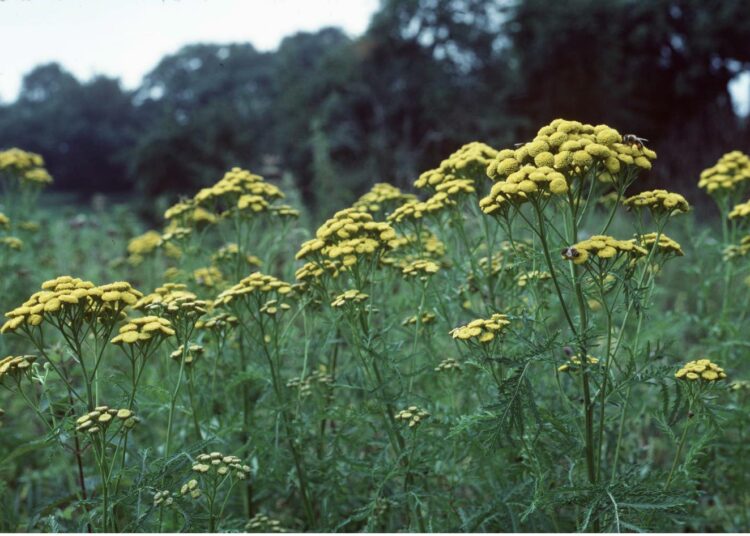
(701, 369)
(144, 330)
(217, 464)
(256, 286)
(11, 242)
(413, 416)
(448, 365)
(26, 167)
(65, 293)
(658, 201)
(481, 330)
(730, 173)
(561, 152)
(426, 318)
(348, 237)
(142, 245)
(239, 191)
(667, 246)
(602, 247)
(574, 363)
(193, 353)
(421, 268)
(102, 417)
(209, 276)
(380, 197)
(350, 297)
(740, 211)
(534, 275)
(263, 523)
(468, 163)
(15, 366)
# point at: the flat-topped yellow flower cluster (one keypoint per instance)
(348, 237)
(261, 286)
(739, 211)
(658, 201)
(146, 328)
(469, 162)
(730, 173)
(381, 195)
(13, 366)
(602, 247)
(352, 296)
(64, 293)
(26, 166)
(666, 244)
(561, 152)
(101, 417)
(701, 369)
(482, 330)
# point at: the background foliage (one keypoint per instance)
(425, 78)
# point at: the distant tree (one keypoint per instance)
(80, 129)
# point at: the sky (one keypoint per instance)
(127, 38)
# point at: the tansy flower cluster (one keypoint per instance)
(142, 245)
(740, 250)
(305, 385)
(218, 322)
(102, 417)
(730, 173)
(194, 352)
(702, 369)
(163, 498)
(28, 167)
(381, 196)
(469, 163)
(666, 244)
(258, 286)
(481, 330)
(187, 214)
(12, 242)
(740, 211)
(208, 276)
(263, 523)
(560, 152)
(534, 275)
(143, 329)
(347, 237)
(228, 253)
(574, 363)
(65, 293)
(349, 297)
(412, 415)
(602, 247)
(658, 201)
(421, 268)
(217, 464)
(426, 318)
(173, 299)
(191, 488)
(15, 366)
(413, 211)
(239, 190)
(448, 365)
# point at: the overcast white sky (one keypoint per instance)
(127, 38)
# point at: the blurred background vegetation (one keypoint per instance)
(337, 114)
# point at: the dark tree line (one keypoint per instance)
(427, 76)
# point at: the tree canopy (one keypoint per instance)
(426, 77)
